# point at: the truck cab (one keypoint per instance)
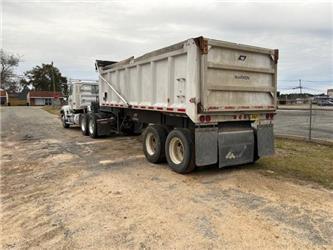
(81, 95)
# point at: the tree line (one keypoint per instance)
(44, 77)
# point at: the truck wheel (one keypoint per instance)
(153, 143)
(84, 124)
(63, 120)
(179, 148)
(92, 126)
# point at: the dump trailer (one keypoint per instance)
(201, 101)
(82, 93)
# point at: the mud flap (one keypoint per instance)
(103, 124)
(205, 146)
(265, 140)
(236, 147)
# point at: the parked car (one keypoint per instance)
(325, 102)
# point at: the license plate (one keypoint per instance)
(254, 117)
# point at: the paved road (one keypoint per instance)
(62, 190)
(297, 122)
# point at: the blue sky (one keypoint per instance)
(75, 33)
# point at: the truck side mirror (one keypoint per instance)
(105, 96)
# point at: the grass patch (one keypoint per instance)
(52, 110)
(302, 160)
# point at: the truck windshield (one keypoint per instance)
(94, 89)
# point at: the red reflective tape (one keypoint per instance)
(170, 109)
(211, 108)
(120, 105)
(150, 107)
(181, 110)
(159, 108)
(244, 107)
(135, 106)
(258, 107)
(229, 107)
(143, 107)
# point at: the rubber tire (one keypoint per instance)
(186, 137)
(160, 134)
(84, 118)
(64, 124)
(92, 119)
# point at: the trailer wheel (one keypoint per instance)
(179, 148)
(153, 143)
(92, 126)
(84, 124)
(63, 120)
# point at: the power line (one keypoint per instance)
(300, 87)
(305, 80)
(318, 81)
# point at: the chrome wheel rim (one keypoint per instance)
(91, 126)
(151, 143)
(83, 126)
(176, 150)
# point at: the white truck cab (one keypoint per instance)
(81, 93)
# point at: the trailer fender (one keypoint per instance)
(206, 146)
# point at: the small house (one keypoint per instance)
(42, 98)
(3, 97)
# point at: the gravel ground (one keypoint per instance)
(62, 190)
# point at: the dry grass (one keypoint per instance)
(52, 110)
(302, 160)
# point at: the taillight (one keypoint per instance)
(202, 118)
(269, 116)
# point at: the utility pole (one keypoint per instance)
(52, 75)
(300, 86)
(310, 122)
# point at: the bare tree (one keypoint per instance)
(8, 63)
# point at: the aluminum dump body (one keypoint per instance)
(194, 77)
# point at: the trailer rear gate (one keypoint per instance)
(238, 77)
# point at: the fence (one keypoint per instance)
(307, 121)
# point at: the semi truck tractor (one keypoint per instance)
(201, 101)
(81, 95)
